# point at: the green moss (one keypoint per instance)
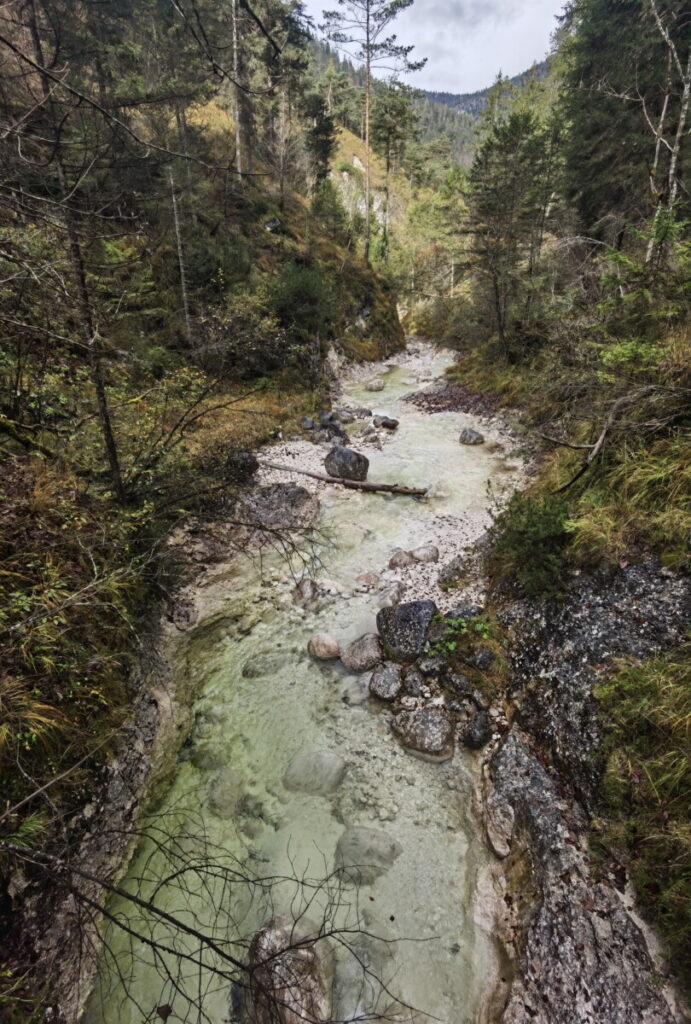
(647, 791)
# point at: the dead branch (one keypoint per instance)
(595, 449)
(356, 485)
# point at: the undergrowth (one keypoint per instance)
(647, 791)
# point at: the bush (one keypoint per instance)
(528, 543)
(243, 339)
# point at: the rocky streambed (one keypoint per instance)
(290, 763)
(328, 737)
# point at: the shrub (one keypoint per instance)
(528, 542)
(241, 338)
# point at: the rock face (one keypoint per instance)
(291, 977)
(363, 854)
(427, 731)
(324, 647)
(319, 772)
(363, 654)
(347, 464)
(583, 961)
(639, 612)
(426, 553)
(470, 436)
(583, 958)
(404, 628)
(386, 681)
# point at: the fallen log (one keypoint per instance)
(355, 485)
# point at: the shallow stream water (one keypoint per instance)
(261, 701)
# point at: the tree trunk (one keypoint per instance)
(88, 326)
(355, 485)
(181, 261)
(368, 89)
(236, 91)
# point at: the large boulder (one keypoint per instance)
(363, 854)
(386, 682)
(324, 647)
(346, 463)
(319, 772)
(427, 731)
(375, 385)
(404, 628)
(363, 654)
(291, 974)
(470, 436)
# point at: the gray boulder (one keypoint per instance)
(449, 574)
(375, 385)
(426, 553)
(478, 731)
(363, 854)
(319, 772)
(386, 683)
(346, 463)
(401, 559)
(305, 592)
(414, 683)
(403, 628)
(324, 647)
(427, 731)
(470, 436)
(387, 422)
(363, 654)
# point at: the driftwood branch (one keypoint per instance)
(355, 485)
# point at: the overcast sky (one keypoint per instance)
(467, 42)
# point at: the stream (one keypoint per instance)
(261, 701)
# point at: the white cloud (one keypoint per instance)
(467, 42)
